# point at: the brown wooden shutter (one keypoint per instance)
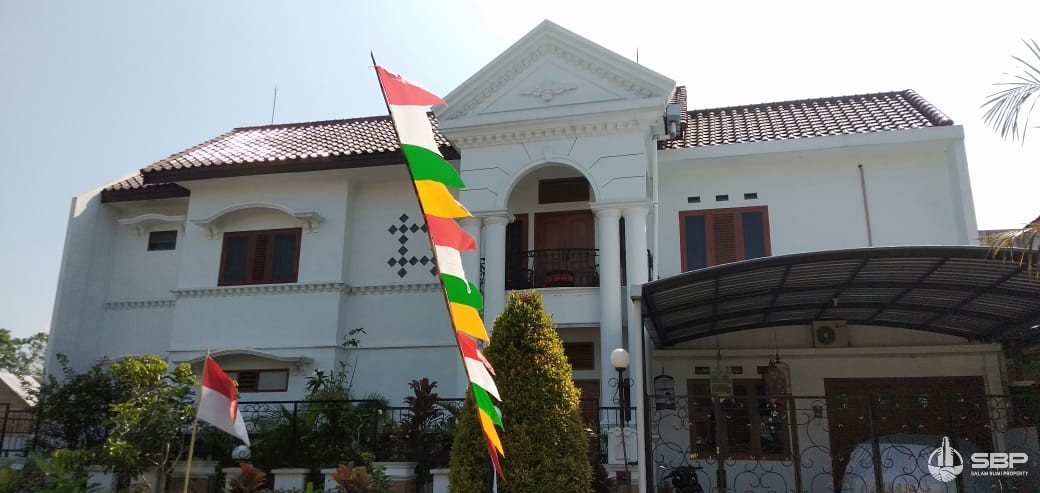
(724, 238)
(247, 380)
(581, 355)
(260, 256)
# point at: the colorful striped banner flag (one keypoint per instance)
(432, 176)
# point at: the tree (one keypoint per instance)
(544, 439)
(22, 356)
(148, 424)
(74, 410)
(1008, 112)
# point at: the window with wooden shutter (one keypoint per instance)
(260, 257)
(581, 355)
(718, 236)
(563, 190)
(261, 380)
(753, 425)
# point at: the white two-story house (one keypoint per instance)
(708, 242)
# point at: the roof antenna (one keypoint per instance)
(637, 54)
(274, 103)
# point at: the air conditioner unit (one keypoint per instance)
(830, 333)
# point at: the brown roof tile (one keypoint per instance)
(293, 141)
(371, 140)
(820, 117)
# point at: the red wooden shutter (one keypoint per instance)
(259, 257)
(724, 238)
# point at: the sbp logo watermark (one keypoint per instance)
(945, 463)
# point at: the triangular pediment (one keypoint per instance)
(552, 72)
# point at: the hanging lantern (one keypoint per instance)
(664, 391)
(777, 378)
(719, 378)
(721, 382)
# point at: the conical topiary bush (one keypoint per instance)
(544, 439)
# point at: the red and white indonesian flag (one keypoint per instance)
(218, 403)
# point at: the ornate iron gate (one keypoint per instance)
(839, 443)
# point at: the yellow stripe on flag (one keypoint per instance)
(467, 320)
(489, 431)
(437, 200)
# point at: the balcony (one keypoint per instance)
(562, 267)
(555, 268)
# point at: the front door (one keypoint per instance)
(565, 244)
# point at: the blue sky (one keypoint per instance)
(93, 91)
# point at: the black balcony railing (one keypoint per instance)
(555, 268)
(524, 271)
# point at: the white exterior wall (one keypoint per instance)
(118, 299)
(83, 280)
(814, 195)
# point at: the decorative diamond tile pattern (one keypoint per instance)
(402, 233)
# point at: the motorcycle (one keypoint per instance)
(684, 479)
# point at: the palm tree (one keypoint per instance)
(1007, 112)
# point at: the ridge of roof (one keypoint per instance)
(316, 123)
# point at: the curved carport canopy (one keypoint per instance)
(960, 290)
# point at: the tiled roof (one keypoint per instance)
(820, 117)
(294, 141)
(369, 141)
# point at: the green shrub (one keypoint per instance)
(544, 438)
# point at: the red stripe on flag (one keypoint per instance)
(400, 91)
(447, 232)
(494, 459)
(469, 350)
(215, 378)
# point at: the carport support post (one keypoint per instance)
(638, 374)
(637, 272)
(875, 447)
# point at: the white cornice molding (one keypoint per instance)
(310, 220)
(395, 288)
(260, 290)
(139, 304)
(148, 222)
(304, 288)
(298, 362)
(536, 130)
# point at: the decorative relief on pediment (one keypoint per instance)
(507, 75)
(548, 89)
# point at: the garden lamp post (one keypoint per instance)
(620, 359)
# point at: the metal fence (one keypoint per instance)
(844, 443)
(16, 431)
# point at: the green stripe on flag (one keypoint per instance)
(484, 403)
(427, 165)
(462, 291)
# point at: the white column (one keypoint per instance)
(637, 270)
(471, 259)
(636, 265)
(608, 241)
(494, 266)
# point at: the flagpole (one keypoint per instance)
(195, 425)
(433, 249)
